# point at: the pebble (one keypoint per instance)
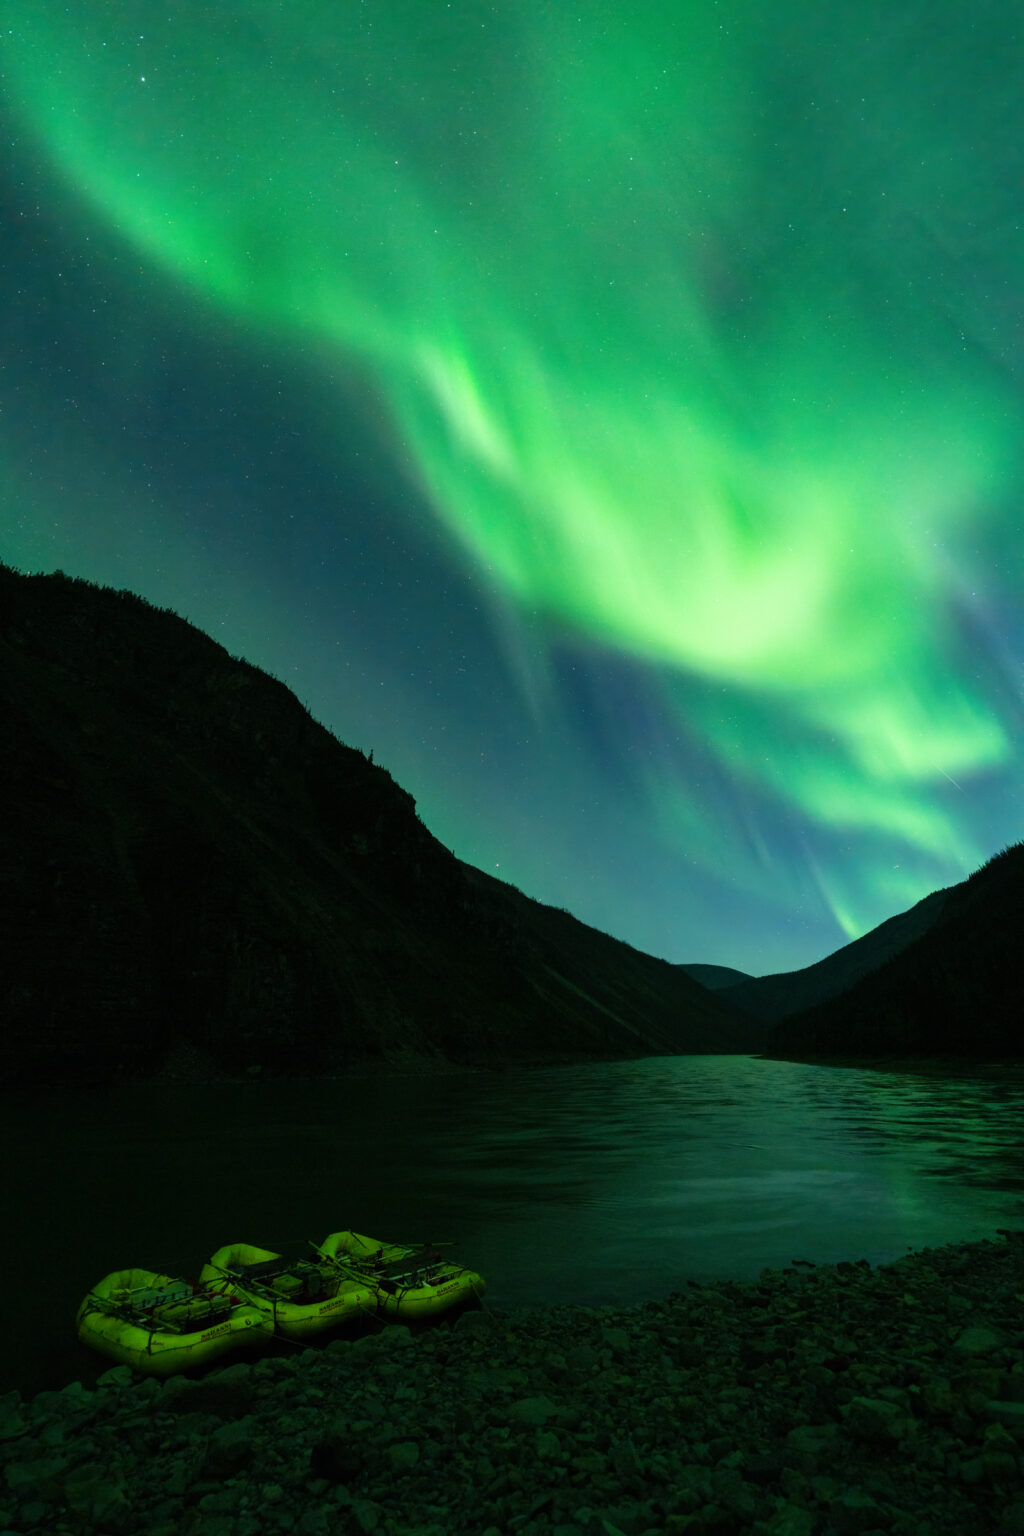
(813, 1401)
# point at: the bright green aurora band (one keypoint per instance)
(689, 317)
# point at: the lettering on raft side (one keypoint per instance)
(332, 1306)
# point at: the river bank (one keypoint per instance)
(840, 1399)
(1003, 1069)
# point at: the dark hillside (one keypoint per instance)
(955, 991)
(716, 977)
(189, 864)
(773, 997)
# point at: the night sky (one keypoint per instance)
(610, 414)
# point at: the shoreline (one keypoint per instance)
(928, 1066)
(813, 1400)
(189, 1069)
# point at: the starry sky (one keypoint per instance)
(608, 414)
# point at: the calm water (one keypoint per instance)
(605, 1184)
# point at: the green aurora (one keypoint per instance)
(695, 326)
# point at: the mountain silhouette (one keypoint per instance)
(196, 876)
(953, 991)
(785, 992)
(717, 978)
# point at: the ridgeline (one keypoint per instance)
(952, 991)
(198, 879)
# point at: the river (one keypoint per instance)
(604, 1184)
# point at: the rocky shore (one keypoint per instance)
(843, 1400)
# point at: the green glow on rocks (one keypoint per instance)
(670, 346)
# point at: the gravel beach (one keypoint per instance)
(835, 1399)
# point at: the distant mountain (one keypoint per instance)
(955, 990)
(193, 871)
(716, 977)
(774, 997)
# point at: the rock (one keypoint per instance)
(598, 1525)
(231, 1447)
(548, 1446)
(477, 1325)
(118, 1376)
(396, 1336)
(403, 1455)
(337, 1456)
(33, 1517)
(790, 1520)
(733, 1493)
(462, 1427)
(937, 1399)
(855, 1511)
(314, 1522)
(581, 1357)
(12, 1416)
(811, 1440)
(1010, 1415)
(1000, 1466)
(89, 1493)
(624, 1459)
(763, 1468)
(617, 1340)
(366, 1515)
(227, 1394)
(532, 1410)
(978, 1341)
(756, 1352)
(40, 1478)
(877, 1421)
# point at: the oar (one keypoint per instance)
(238, 1277)
(345, 1257)
(331, 1258)
(107, 1305)
(343, 1261)
(111, 1308)
(232, 1274)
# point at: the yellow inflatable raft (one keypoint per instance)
(160, 1326)
(299, 1297)
(411, 1281)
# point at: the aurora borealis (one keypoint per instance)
(610, 415)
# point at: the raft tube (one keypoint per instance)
(160, 1325)
(411, 1280)
(298, 1297)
